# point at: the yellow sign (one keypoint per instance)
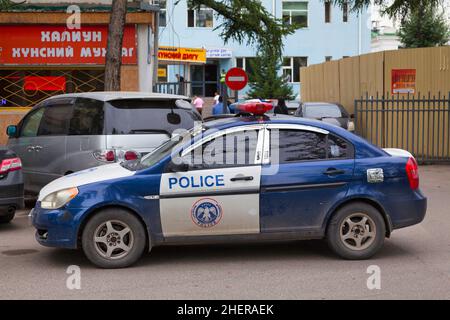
(193, 55)
(162, 72)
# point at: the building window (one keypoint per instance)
(162, 13)
(291, 68)
(245, 63)
(327, 12)
(200, 17)
(295, 12)
(345, 12)
(328, 58)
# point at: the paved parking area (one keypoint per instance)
(414, 263)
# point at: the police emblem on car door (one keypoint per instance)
(219, 194)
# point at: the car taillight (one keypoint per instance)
(105, 155)
(8, 165)
(131, 155)
(116, 155)
(412, 171)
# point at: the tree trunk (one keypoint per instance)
(114, 46)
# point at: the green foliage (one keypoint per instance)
(8, 4)
(424, 27)
(247, 21)
(265, 79)
(397, 8)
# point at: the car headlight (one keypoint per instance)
(59, 198)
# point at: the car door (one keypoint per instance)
(24, 146)
(307, 171)
(50, 148)
(219, 194)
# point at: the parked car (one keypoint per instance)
(247, 178)
(72, 132)
(11, 185)
(333, 113)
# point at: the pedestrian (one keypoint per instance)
(281, 107)
(180, 80)
(198, 103)
(220, 108)
(223, 86)
(216, 98)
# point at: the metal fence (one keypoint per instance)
(417, 123)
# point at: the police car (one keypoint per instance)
(237, 179)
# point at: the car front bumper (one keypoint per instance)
(55, 228)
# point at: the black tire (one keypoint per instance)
(341, 238)
(135, 240)
(7, 218)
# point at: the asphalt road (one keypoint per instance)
(414, 264)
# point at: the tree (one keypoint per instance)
(8, 4)
(114, 45)
(424, 28)
(265, 79)
(244, 21)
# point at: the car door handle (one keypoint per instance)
(333, 172)
(242, 178)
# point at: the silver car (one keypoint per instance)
(72, 132)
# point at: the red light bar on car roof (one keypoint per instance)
(256, 108)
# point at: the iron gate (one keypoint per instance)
(417, 123)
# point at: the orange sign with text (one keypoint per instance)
(403, 81)
(58, 45)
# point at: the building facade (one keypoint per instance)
(326, 32)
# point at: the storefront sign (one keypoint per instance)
(403, 81)
(188, 55)
(57, 45)
(220, 53)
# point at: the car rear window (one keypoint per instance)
(324, 111)
(140, 116)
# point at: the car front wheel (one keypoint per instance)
(356, 231)
(113, 238)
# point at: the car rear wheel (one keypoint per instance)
(114, 238)
(8, 215)
(356, 231)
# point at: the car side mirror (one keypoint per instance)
(11, 131)
(177, 167)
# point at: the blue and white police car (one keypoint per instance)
(237, 179)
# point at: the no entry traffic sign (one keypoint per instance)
(236, 79)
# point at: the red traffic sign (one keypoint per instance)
(236, 79)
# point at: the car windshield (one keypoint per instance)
(141, 116)
(166, 148)
(322, 111)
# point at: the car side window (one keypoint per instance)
(31, 123)
(338, 148)
(231, 150)
(55, 120)
(87, 118)
(289, 146)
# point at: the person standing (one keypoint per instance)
(223, 86)
(216, 98)
(180, 80)
(281, 107)
(220, 108)
(198, 103)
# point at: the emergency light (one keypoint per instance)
(256, 108)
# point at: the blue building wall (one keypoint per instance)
(318, 40)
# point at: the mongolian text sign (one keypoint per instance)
(176, 54)
(57, 45)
